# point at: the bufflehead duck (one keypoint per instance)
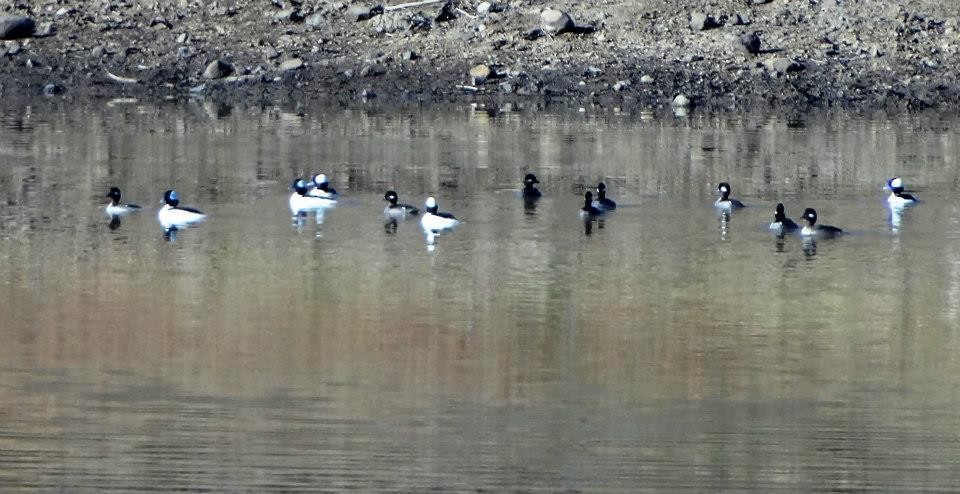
(898, 197)
(812, 228)
(603, 202)
(782, 224)
(589, 210)
(395, 210)
(114, 208)
(172, 215)
(434, 221)
(725, 202)
(322, 187)
(529, 191)
(301, 200)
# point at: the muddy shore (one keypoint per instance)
(876, 54)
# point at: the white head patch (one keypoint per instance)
(319, 179)
(431, 202)
(896, 183)
(723, 188)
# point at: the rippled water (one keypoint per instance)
(667, 348)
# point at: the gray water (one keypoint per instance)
(669, 348)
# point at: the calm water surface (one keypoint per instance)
(669, 348)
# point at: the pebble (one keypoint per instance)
(217, 69)
(291, 64)
(646, 79)
(680, 101)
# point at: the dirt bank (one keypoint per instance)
(720, 54)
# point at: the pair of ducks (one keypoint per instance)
(782, 224)
(171, 215)
(433, 221)
(591, 207)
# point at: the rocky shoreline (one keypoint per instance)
(721, 55)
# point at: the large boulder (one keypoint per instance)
(16, 27)
(556, 21)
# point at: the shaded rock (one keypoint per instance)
(680, 101)
(490, 7)
(409, 55)
(270, 52)
(419, 23)
(749, 42)
(534, 33)
(373, 70)
(291, 64)
(16, 27)
(783, 65)
(556, 21)
(356, 13)
(12, 48)
(447, 13)
(701, 22)
(743, 19)
(592, 72)
(217, 69)
(161, 21)
(368, 94)
(184, 52)
(53, 89)
(506, 87)
(622, 85)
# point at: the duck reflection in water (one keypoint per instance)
(114, 222)
(588, 224)
(809, 246)
(724, 217)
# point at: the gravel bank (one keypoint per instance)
(717, 55)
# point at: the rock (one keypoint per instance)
(291, 64)
(217, 69)
(622, 85)
(759, 2)
(315, 20)
(53, 89)
(447, 13)
(556, 21)
(292, 15)
(368, 94)
(781, 65)
(701, 22)
(480, 73)
(592, 72)
(534, 33)
(184, 52)
(372, 70)
(44, 30)
(16, 27)
(750, 42)
(506, 87)
(270, 52)
(646, 79)
(743, 19)
(64, 11)
(183, 38)
(680, 101)
(162, 22)
(357, 13)
(490, 7)
(13, 48)
(409, 55)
